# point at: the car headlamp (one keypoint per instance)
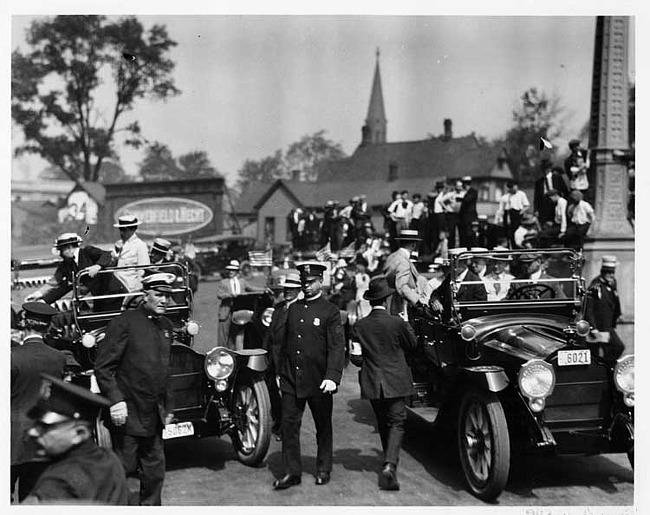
(192, 327)
(267, 315)
(88, 341)
(536, 379)
(624, 375)
(219, 364)
(468, 332)
(582, 327)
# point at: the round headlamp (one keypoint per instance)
(536, 379)
(88, 341)
(192, 327)
(624, 374)
(267, 315)
(468, 332)
(219, 364)
(582, 327)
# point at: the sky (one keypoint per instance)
(254, 84)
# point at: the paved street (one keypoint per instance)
(206, 472)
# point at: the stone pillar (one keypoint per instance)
(608, 141)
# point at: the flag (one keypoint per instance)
(260, 257)
(324, 254)
(347, 252)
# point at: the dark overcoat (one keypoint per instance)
(313, 349)
(603, 305)
(384, 338)
(132, 365)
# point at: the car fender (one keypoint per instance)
(492, 377)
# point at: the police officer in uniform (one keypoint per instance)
(79, 471)
(132, 370)
(28, 361)
(311, 365)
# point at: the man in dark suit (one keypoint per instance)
(28, 361)
(540, 285)
(79, 471)
(379, 342)
(76, 259)
(551, 179)
(132, 370)
(467, 213)
(273, 344)
(311, 362)
(603, 310)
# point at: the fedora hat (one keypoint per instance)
(378, 288)
(127, 221)
(408, 235)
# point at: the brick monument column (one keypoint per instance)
(608, 143)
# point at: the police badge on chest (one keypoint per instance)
(316, 321)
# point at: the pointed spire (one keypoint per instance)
(375, 128)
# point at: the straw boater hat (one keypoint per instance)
(608, 263)
(378, 288)
(127, 221)
(291, 280)
(67, 238)
(437, 264)
(161, 245)
(233, 265)
(408, 235)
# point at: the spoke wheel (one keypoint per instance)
(252, 416)
(483, 444)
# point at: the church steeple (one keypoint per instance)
(374, 131)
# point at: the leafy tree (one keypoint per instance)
(110, 173)
(305, 155)
(267, 169)
(159, 164)
(55, 82)
(538, 116)
(196, 165)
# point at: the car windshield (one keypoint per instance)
(516, 276)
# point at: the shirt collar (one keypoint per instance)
(378, 307)
(536, 276)
(30, 338)
(461, 277)
(317, 296)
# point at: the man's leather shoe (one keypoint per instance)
(388, 477)
(322, 478)
(286, 482)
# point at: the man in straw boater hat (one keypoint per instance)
(78, 472)
(604, 309)
(379, 343)
(311, 360)
(227, 289)
(132, 371)
(28, 361)
(402, 274)
(160, 251)
(77, 259)
(497, 282)
(274, 340)
(130, 250)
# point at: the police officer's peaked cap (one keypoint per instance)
(68, 400)
(161, 245)
(159, 282)
(67, 238)
(38, 311)
(127, 221)
(311, 269)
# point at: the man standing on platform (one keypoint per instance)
(379, 342)
(467, 212)
(311, 365)
(551, 179)
(511, 207)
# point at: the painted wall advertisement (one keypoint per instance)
(167, 216)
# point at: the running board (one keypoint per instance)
(427, 413)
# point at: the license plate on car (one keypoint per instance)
(177, 430)
(573, 357)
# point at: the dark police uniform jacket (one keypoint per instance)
(61, 282)
(28, 362)
(603, 305)
(313, 349)
(86, 474)
(384, 372)
(132, 365)
(274, 338)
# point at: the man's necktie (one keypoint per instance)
(497, 286)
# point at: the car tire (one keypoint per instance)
(483, 443)
(102, 434)
(251, 410)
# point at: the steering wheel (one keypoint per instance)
(531, 291)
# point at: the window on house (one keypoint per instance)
(484, 193)
(269, 229)
(392, 172)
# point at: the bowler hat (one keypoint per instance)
(440, 184)
(291, 280)
(311, 269)
(408, 234)
(233, 265)
(67, 400)
(159, 282)
(67, 238)
(378, 288)
(38, 311)
(529, 257)
(127, 221)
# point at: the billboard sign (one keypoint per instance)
(166, 216)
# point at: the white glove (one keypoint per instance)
(33, 297)
(93, 270)
(327, 386)
(119, 413)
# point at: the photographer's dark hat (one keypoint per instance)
(66, 400)
(378, 288)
